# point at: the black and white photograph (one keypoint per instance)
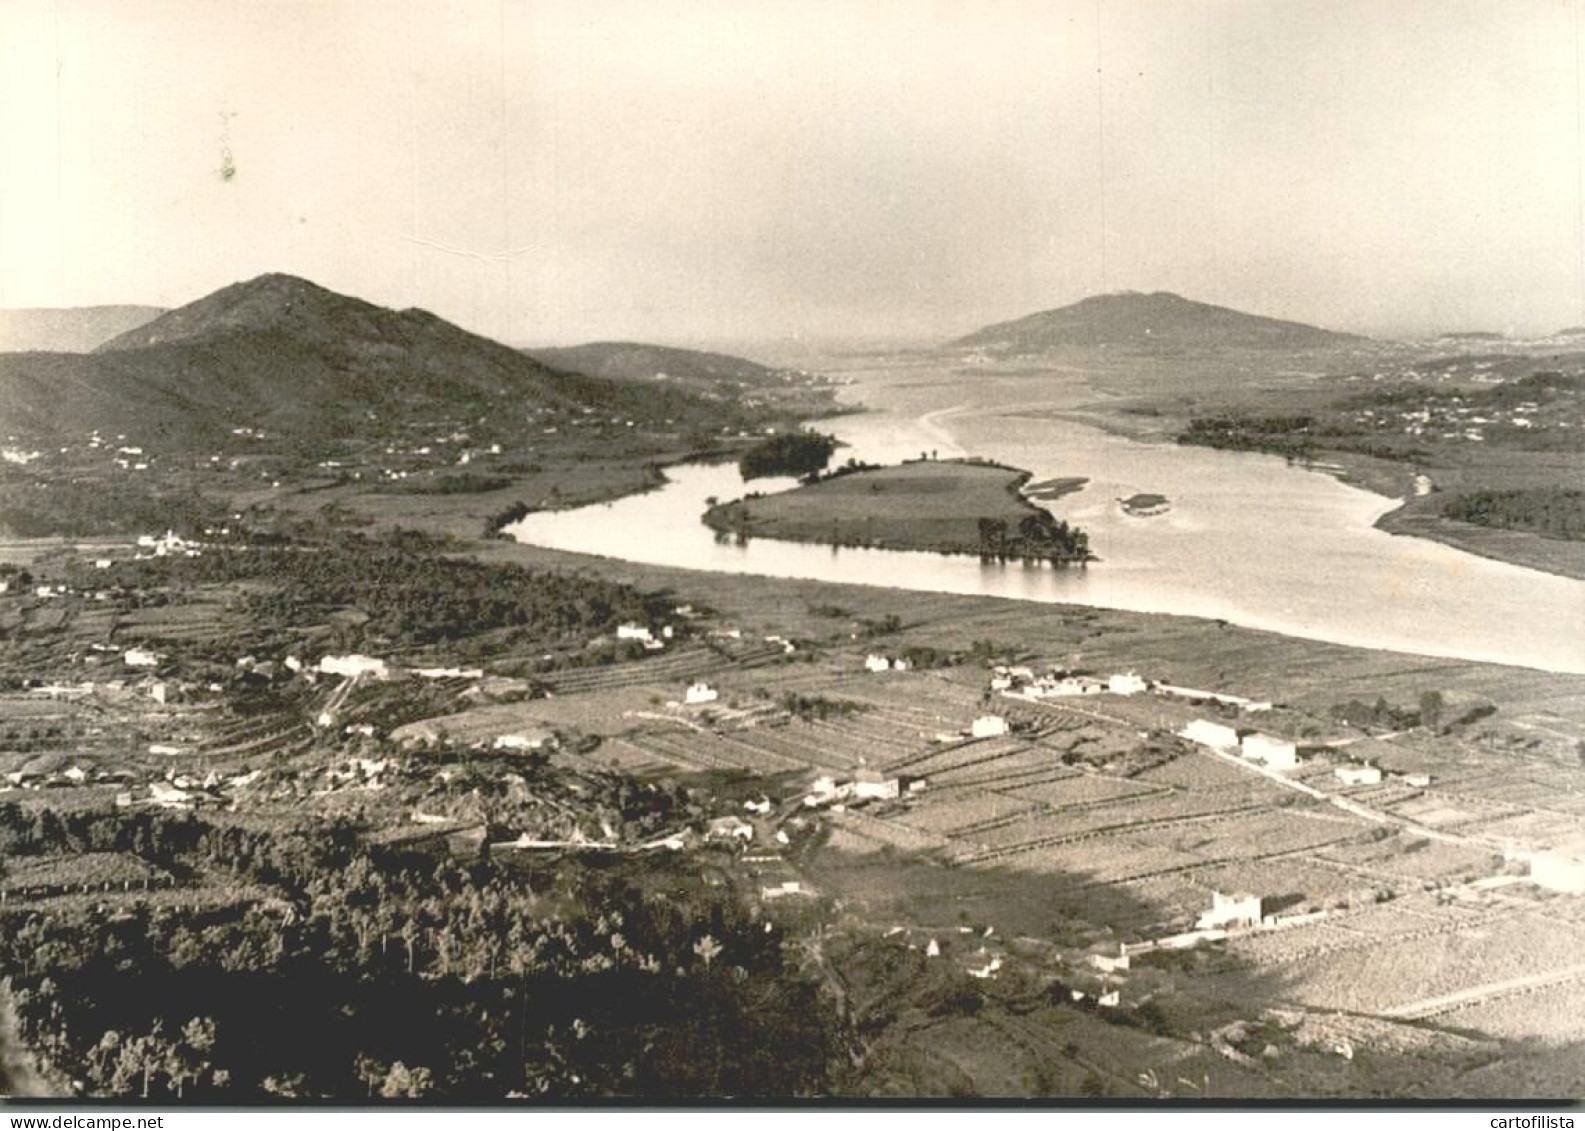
(560, 554)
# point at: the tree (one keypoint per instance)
(1431, 708)
(708, 949)
(189, 1055)
(402, 1082)
(370, 1072)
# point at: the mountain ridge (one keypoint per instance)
(627, 360)
(1159, 321)
(281, 354)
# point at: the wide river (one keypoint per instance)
(1248, 538)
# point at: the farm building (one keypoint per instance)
(140, 658)
(1358, 775)
(352, 666)
(988, 726)
(878, 663)
(1125, 683)
(632, 631)
(781, 890)
(1419, 781)
(730, 828)
(1558, 873)
(874, 785)
(1110, 964)
(1238, 910)
(700, 693)
(1278, 753)
(449, 673)
(1214, 735)
(525, 740)
(823, 789)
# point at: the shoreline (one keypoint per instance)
(1400, 519)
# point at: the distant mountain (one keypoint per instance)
(304, 364)
(1157, 323)
(1472, 336)
(70, 329)
(1571, 332)
(639, 361)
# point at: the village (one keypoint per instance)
(1221, 820)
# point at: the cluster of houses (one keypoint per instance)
(875, 662)
(1451, 419)
(644, 635)
(34, 778)
(1023, 683)
(865, 785)
(167, 545)
(1255, 746)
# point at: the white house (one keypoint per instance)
(700, 693)
(781, 890)
(825, 790)
(632, 631)
(1558, 873)
(1278, 753)
(730, 828)
(1109, 964)
(1214, 735)
(1419, 781)
(874, 785)
(1125, 683)
(353, 666)
(534, 740)
(988, 726)
(1358, 775)
(1237, 910)
(140, 658)
(449, 673)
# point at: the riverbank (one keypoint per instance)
(1418, 516)
(935, 506)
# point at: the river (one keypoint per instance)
(1248, 539)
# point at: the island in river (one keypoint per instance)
(960, 506)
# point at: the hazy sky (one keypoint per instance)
(689, 170)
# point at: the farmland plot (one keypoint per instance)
(887, 831)
(965, 810)
(1554, 1013)
(1088, 789)
(1251, 836)
(712, 751)
(1541, 830)
(625, 757)
(1411, 857)
(803, 747)
(1106, 861)
(1403, 970)
(1292, 883)
(939, 762)
(1196, 772)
